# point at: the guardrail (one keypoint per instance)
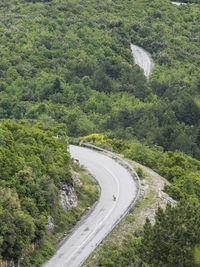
(124, 163)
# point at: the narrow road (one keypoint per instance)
(178, 3)
(113, 180)
(143, 59)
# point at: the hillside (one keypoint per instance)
(66, 71)
(158, 231)
(74, 57)
(152, 196)
(35, 174)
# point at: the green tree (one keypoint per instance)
(171, 241)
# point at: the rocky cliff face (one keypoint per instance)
(68, 197)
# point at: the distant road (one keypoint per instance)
(178, 3)
(113, 180)
(143, 59)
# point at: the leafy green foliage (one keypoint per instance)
(39, 255)
(113, 255)
(174, 239)
(69, 62)
(33, 164)
(171, 241)
(180, 170)
(74, 57)
(17, 227)
(197, 256)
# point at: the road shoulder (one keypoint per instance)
(151, 198)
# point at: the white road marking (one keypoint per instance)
(98, 226)
(113, 179)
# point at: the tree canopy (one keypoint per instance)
(32, 166)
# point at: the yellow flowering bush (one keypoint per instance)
(93, 138)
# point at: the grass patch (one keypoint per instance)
(88, 192)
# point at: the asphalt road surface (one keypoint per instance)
(113, 180)
(178, 3)
(143, 59)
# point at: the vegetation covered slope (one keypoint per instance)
(169, 242)
(74, 56)
(69, 62)
(32, 166)
(175, 236)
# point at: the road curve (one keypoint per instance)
(113, 180)
(143, 59)
(178, 3)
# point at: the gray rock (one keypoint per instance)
(68, 197)
(50, 224)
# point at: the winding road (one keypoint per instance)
(113, 179)
(143, 59)
(178, 3)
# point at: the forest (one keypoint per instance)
(66, 62)
(66, 70)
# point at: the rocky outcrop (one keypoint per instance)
(68, 197)
(165, 197)
(50, 224)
